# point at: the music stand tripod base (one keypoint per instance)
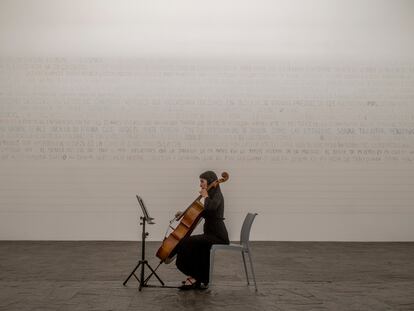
(143, 262)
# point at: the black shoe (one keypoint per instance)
(194, 285)
(188, 287)
(203, 286)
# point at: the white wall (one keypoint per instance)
(307, 104)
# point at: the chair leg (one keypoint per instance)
(251, 266)
(245, 267)
(212, 253)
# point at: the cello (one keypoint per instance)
(188, 221)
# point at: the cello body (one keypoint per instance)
(187, 225)
(188, 221)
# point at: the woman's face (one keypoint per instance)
(203, 183)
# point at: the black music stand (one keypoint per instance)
(143, 262)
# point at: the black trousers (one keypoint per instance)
(193, 256)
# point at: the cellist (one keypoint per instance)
(193, 252)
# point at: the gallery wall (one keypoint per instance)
(308, 105)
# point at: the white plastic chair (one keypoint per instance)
(243, 247)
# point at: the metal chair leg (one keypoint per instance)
(251, 266)
(245, 267)
(212, 253)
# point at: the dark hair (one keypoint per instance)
(210, 176)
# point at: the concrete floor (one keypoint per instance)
(291, 276)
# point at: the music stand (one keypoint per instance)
(143, 262)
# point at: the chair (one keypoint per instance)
(243, 247)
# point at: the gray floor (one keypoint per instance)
(291, 276)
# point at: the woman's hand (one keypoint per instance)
(204, 193)
(178, 215)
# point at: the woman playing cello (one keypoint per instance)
(193, 252)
